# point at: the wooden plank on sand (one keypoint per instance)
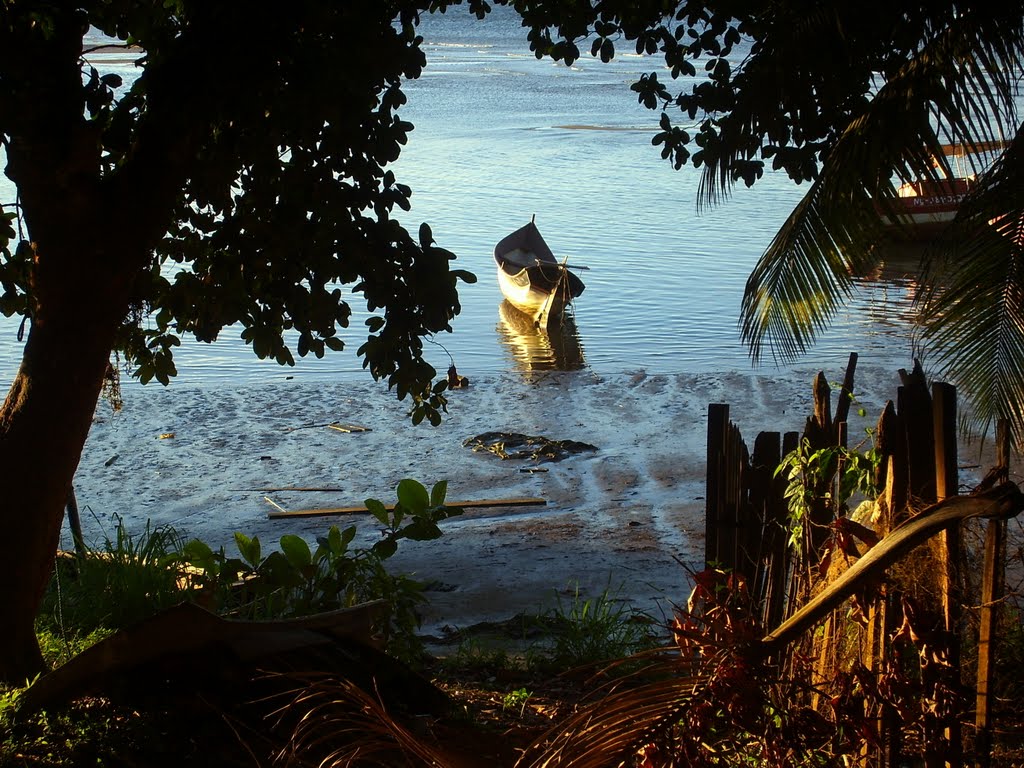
(514, 502)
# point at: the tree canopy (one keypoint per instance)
(849, 99)
(240, 179)
(260, 138)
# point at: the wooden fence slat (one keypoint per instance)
(846, 391)
(991, 593)
(766, 546)
(944, 420)
(729, 522)
(915, 409)
(718, 421)
(944, 461)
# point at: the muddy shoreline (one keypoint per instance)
(626, 518)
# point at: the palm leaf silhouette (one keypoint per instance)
(957, 89)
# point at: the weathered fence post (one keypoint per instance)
(915, 408)
(819, 433)
(991, 593)
(947, 485)
(718, 425)
(891, 443)
(767, 580)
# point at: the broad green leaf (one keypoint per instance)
(413, 496)
(335, 542)
(422, 529)
(378, 510)
(438, 493)
(196, 552)
(248, 548)
(296, 550)
(279, 571)
(385, 548)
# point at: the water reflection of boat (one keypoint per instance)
(896, 259)
(532, 279)
(556, 348)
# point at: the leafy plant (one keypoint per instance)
(589, 630)
(298, 580)
(424, 511)
(474, 657)
(125, 580)
(830, 476)
(59, 647)
(710, 700)
(516, 699)
(133, 577)
(8, 704)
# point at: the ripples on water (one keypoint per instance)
(501, 136)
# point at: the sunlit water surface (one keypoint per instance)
(500, 137)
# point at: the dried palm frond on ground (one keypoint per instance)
(340, 724)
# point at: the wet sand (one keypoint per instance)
(625, 518)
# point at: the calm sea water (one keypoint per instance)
(500, 137)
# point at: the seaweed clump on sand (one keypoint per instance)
(512, 445)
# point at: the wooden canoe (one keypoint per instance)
(532, 279)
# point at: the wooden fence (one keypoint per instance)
(747, 532)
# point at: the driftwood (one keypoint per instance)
(295, 488)
(1003, 502)
(335, 425)
(355, 510)
(186, 639)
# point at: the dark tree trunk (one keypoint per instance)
(44, 423)
(93, 232)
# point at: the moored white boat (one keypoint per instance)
(923, 209)
(532, 279)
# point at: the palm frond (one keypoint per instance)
(811, 264)
(973, 308)
(612, 730)
(340, 724)
(800, 280)
(958, 80)
(966, 75)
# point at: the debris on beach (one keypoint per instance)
(339, 427)
(281, 512)
(512, 445)
(455, 381)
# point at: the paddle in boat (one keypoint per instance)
(532, 279)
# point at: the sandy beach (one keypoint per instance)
(620, 518)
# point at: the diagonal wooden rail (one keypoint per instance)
(1000, 503)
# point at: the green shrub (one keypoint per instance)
(127, 579)
(591, 630)
(132, 578)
